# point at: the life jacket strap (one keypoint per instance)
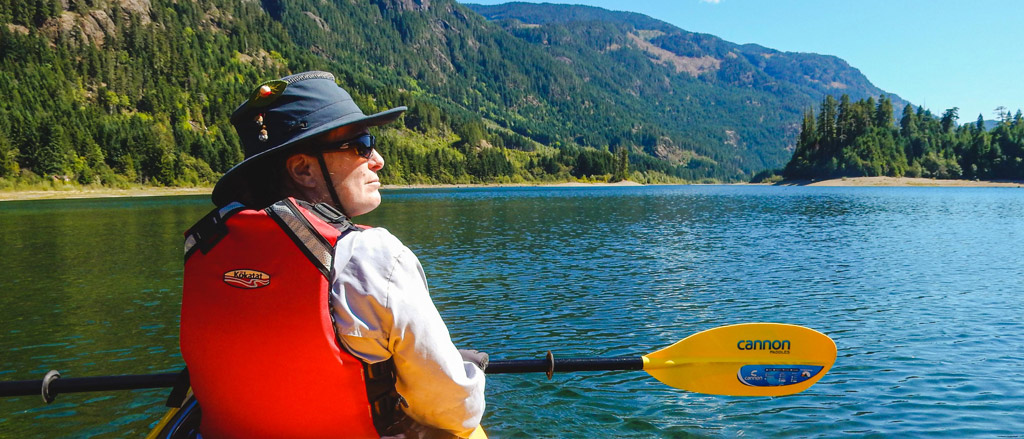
(380, 392)
(209, 230)
(316, 248)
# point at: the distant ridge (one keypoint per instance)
(823, 73)
(744, 96)
(545, 13)
(141, 92)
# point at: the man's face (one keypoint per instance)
(355, 179)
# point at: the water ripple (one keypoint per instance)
(917, 286)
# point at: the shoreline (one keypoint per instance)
(77, 193)
(901, 182)
(92, 192)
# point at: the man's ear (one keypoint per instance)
(303, 169)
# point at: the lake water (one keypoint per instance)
(919, 287)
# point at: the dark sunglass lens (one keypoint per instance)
(364, 145)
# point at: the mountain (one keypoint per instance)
(746, 96)
(121, 91)
(700, 55)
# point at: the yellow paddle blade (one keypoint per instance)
(478, 433)
(751, 359)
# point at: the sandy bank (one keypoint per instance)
(904, 181)
(102, 193)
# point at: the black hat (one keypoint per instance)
(279, 115)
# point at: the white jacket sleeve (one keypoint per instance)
(382, 309)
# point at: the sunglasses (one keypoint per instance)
(363, 144)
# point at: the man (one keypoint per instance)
(277, 276)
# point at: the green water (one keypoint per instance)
(919, 288)
(90, 287)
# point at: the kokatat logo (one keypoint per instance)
(248, 279)
(772, 346)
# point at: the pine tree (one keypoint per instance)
(883, 113)
(622, 165)
(908, 124)
(949, 118)
(8, 158)
(827, 123)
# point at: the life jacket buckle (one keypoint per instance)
(329, 213)
(208, 231)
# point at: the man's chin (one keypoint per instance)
(366, 207)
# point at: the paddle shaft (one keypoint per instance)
(131, 382)
(89, 384)
(551, 365)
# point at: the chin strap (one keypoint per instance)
(327, 179)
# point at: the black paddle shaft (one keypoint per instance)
(89, 384)
(551, 365)
(56, 385)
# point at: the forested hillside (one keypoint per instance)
(120, 92)
(853, 139)
(739, 105)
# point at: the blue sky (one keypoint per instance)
(937, 53)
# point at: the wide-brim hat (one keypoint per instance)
(283, 114)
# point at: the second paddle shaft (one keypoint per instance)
(551, 365)
(88, 384)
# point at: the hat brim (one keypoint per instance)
(234, 182)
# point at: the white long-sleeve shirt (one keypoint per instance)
(382, 308)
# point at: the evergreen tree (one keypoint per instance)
(884, 113)
(949, 118)
(8, 158)
(827, 123)
(924, 146)
(622, 165)
(908, 123)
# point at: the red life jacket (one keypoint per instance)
(256, 328)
